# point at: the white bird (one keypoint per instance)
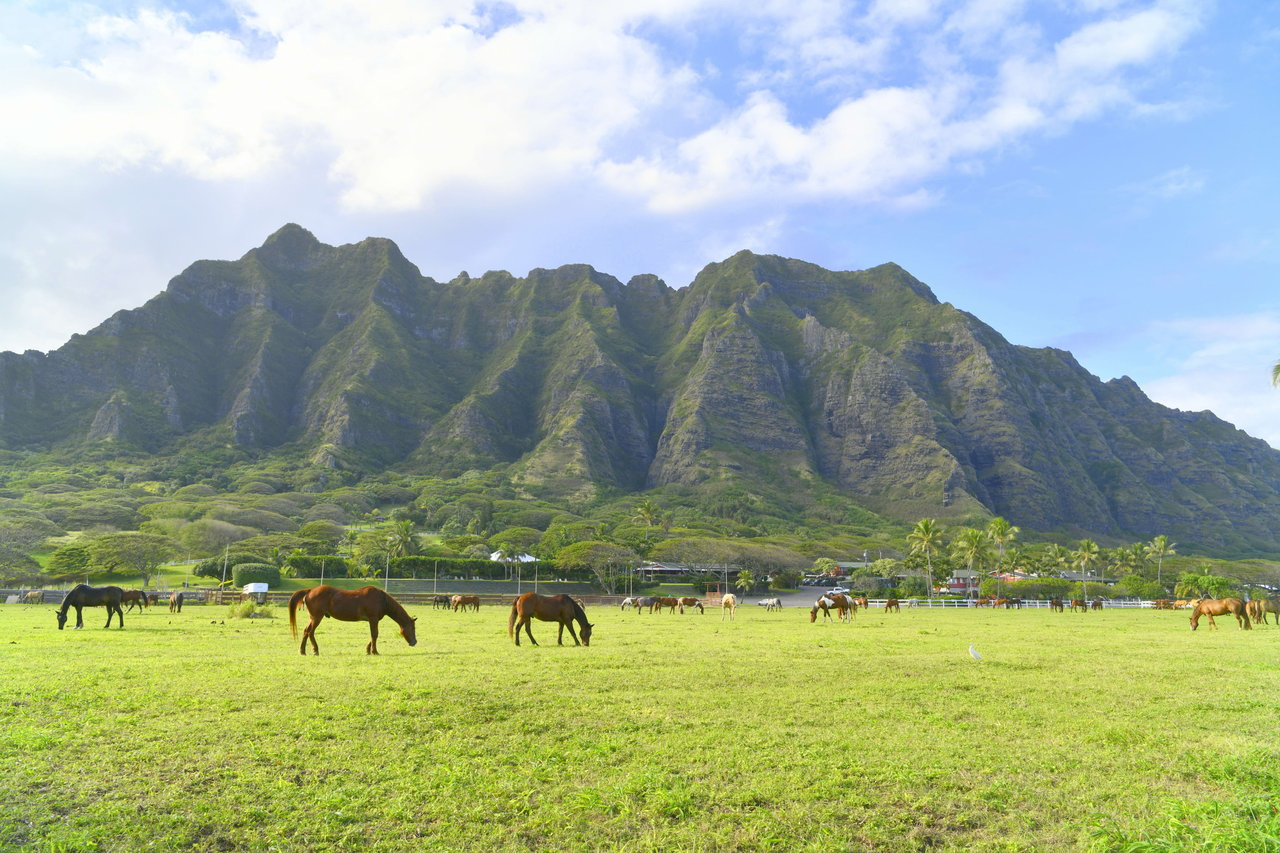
(973, 653)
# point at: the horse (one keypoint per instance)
(548, 608)
(644, 602)
(1212, 607)
(175, 602)
(985, 601)
(135, 598)
(627, 602)
(1162, 604)
(1015, 603)
(671, 603)
(1055, 605)
(1078, 604)
(462, 602)
(1001, 602)
(690, 601)
(728, 606)
(83, 595)
(1261, 607)
(842, 604)
(367, 604)
(35, 596)
(770, 604)
(891, 605)
(861, 602)
(439, 601)
(1096, 604)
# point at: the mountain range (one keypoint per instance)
(764, 370)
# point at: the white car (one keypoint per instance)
(836, 589)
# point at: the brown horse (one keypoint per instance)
(462, 602)
(82, 595)
(175, 602)
(670, 603)
(689, 601)
(367, 604)
(861, 602)
(548, 608)
(134, 598)
(1055, 605)
(1212, 607)
(891, 606)
(842, 604)
(1265, 606)
(1096, 604)
(1079, 604)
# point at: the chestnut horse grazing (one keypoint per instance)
(548, 608)
(690, 601)
(892, 605)
(462, 602)
(671, 603)
(82, 595)
(175, 602)
(1212, 607)
(367, 604)
(134, 598)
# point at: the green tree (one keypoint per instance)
(1157, 549)
(70, 561)
(745, 581)
(1002, 533)
(648, 513)
(1086, 556)
(973, 548)
(402, 540)
(606, 561)
(926, 539)
(825, 566)
(130, 553)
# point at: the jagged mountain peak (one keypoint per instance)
(767, 371)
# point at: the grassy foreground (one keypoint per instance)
(1113, 730)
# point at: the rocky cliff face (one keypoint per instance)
(764, 370)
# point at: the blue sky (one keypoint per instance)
(1094, 175)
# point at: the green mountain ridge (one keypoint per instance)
(767, 373)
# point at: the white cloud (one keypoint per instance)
(408, 100)
(1222, 364)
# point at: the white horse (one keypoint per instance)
(627, 602)
(770, 604)
(728, 605)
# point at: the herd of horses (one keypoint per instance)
(372, 604)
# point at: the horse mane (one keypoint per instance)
(395, 609)
(578, 612)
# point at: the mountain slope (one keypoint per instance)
(765, 373)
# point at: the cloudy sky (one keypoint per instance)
(1095, 175)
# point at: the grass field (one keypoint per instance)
(1113, 730)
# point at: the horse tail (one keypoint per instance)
(511, 621)
(294, 601)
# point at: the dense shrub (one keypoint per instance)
(310, 566)
(256, 573)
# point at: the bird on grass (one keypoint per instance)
(973, 653)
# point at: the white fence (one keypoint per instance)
(1107, 603)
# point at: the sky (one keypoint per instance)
(1098, 176)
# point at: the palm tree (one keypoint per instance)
(402, 541)
(1002, 533)
(1084, 557)
(745, 580)
(1275, 374)
(1160, 547)
(973, 548)
(926, 538)
(649, 514)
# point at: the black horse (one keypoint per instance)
(92, 596)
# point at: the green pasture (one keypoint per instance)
(1119, 730)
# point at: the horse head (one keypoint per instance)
(585, 633)
(410, 631)
(62, 619)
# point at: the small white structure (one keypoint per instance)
(256, 591)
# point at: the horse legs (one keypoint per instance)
(80, 618)
(526, 620)
(572, 633)
(114, 608)
(372, 648)
(310, 633)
